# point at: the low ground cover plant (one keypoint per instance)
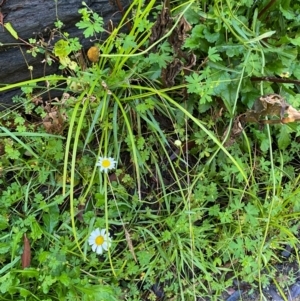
(168, 166)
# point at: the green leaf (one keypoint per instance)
(211, 37)
(295, 41)
(51, 219)
(261, 37)
(129, 43)
(213, 55)
(91, 24)
(196, 36)
(161, 59)
(248, 3)
(89, 31)
(145, 106)
(10, 29)
(64, 279)
(3, 222)
(6, 282)
(194, 83)
(264, 145)
(289, 15)
(98, 23)
(61, 48)
(202, 85)
(284, 137)
(4, 247)
(24, 292)
(97, 292)
(47, 283)
(7, 267)
(143, 25)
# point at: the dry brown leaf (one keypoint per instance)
(26, 256)
(169, 73)
(235, 132)
(271, 105)
(179, 35)
(130, 245)
(54, 121)
(162, 25)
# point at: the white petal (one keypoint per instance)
(91, 240)
(94, 247)
(107, 243)
(112, 162)
(93, 235)
(97, 232)
(105, 246)
(99, 250)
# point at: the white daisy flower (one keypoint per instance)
(99, 240)
(106, 164)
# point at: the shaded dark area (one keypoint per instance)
(35, 19)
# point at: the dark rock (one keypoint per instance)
(35, 19)
(235, 296)
(271, 290)
(287, 251)
(294, 291)
(158, 290)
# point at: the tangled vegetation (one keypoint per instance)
(196, 101)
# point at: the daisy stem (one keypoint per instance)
(106, 220)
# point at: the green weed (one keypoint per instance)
(190, 207)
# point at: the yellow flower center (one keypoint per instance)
(106, 163)
(99, 240)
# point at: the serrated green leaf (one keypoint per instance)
(64, 279)
(3, 222)
(264, 145)
(194, 83)
(4, 247)
(211, 37)
(24, 292)
(88, 32)
(213, 55)
(161, 59)
(284, 137)
(129, 43)
(289, 15)
(295, 41)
